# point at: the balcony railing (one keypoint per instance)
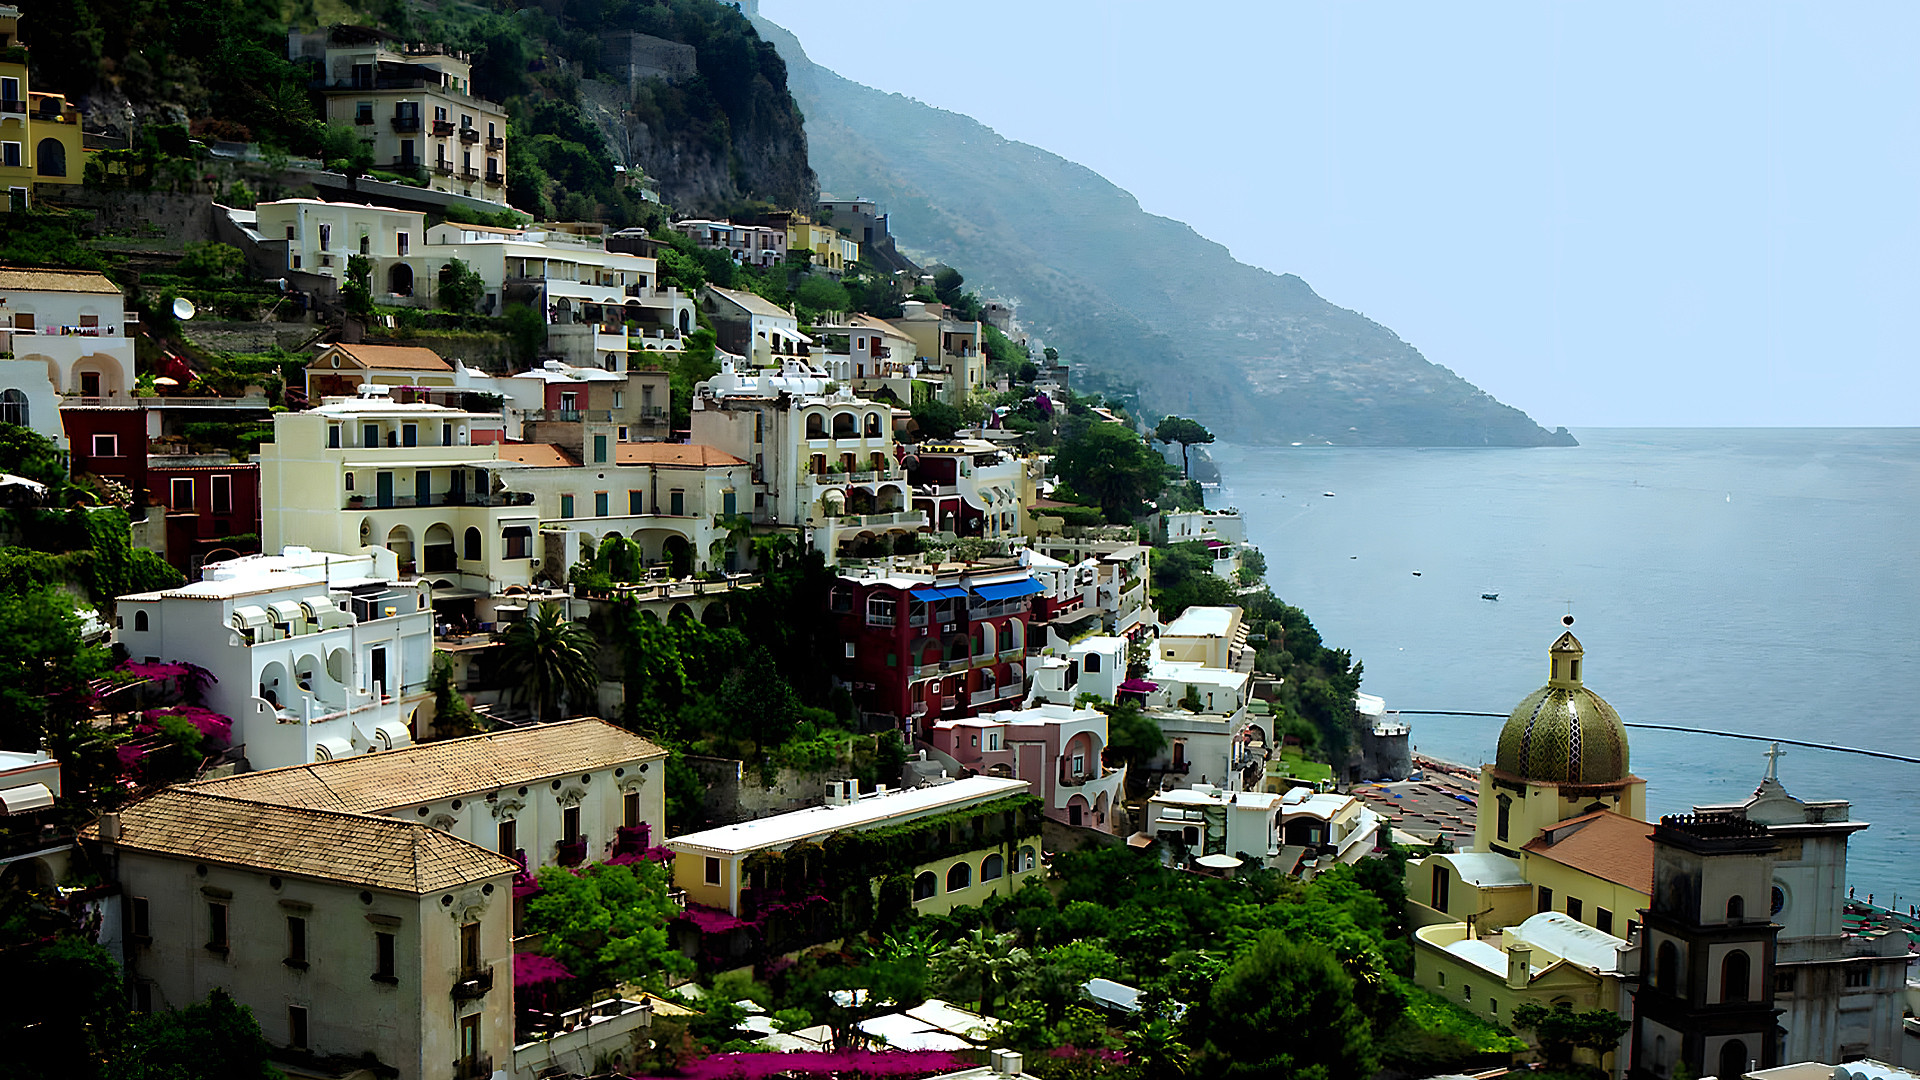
(406, 123)
(469, 135)
(443, 128)
(495, 142)
(444, 168)
(468, 172)
(495, 178)
(468, 985)
(448, 498)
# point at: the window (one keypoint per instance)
(599, 448)
(10, 155)
(926, 886)
(959, 876)
(446, 434)
(349, 481)
(1442, 879)
(366, 244)
(1736, 908)
(1667, 968)
(517, 540)
(1092, 664)
(566, 506)
(297, 1027)
(13, 407)
(993, 867)
(89, 384)
(180, 493)
(1466, 991)
(1783, 982)
(677, 503)
(469, 1041)
(296, 941)
(630, 810)
(1733, 1058)
(1079, 764)
(1506, 809)
(636, 503)
(1859, 976)
(383, 963)
(600, 504)
(409, 434)
(469, 947)
(1546, 899)
(140, 922)
(140, 623)
(713, 870)
(369, 434)
(326, 237)
(570, 825)
(223, 494)
(879, 611)
(1493, 1006)
(507, 837)
(1603, 920)
(400, 243)
(1575, 908)
(840, 599)
(472, 538)
(217, 927)
(106, 446)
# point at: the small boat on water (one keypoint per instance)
(1328, 494)
(1489, 596)
(1416, 573)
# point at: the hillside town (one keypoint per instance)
(442, 639)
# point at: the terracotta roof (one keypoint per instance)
(542, 454)
(393, 357)
(1606, 845)
(443, 769)
(355, 849)
(14, 278)
(686, 455)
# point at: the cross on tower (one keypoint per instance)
(1773, 755)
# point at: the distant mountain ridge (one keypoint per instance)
(1132, 300)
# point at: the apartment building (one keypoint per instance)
(823, 461)
(74, 324)
(873, 357)
(1057, 749)
(315, 237)
(750, 326)
(552, 402)
(967, 487)
(749, 244)
(414, 104)
(347, 934)
(832, 252)
(1223, 531)
(945, 349)
(40, 139)
(315, 656)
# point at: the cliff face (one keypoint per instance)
(1131, 299)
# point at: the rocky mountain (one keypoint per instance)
(1138, 303)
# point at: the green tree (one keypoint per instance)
(1286, 1009)
(26, 452)
(211, 261)
(1179, 429)
(1156, 1049)
(44, 666)
(1133, 739)
(344, 151)
(1108, 464)
(1560, 1030)
(62, 1010)
(550, 659)
(819, 293)
(358, 290)
(460, 287)
(215, 1039)
(527, 330)
(984, 961)
(936, 419)
(608, 924)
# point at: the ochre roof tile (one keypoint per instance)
(1609, 846)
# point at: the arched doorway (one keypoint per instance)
(50, 158)
(678, 555)
(400, 542)
(439, 553)
(1733, 1058)
(400, 279)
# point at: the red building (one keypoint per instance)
(110, 443)
(924, 646)
(212, 508)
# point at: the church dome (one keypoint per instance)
(1564, 733)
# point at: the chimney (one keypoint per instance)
(110, 826)
(1519, 965)
(1006, 1062)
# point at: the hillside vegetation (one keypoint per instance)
(1157, 309)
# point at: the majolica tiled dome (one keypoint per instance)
(1564, 733)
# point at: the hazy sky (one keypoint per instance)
(1605, 214)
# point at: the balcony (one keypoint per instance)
(469, 135)
(12, 105)
(495, 142)
(444, 168)
(406, 123)
(364, 119)
(468, 172)
(447, 498)
(473, 1068)
(495, 177)
(443, 128)
(469, 985)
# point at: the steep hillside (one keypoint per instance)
(1134, 300)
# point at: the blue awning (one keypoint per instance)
(936, 592)
(1010, 589)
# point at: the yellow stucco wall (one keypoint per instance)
(1594, 893)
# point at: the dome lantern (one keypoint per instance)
(1564, 733)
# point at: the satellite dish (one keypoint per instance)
(183, 308)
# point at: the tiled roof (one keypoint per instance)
(1606, 845)
(684, 454)
(354, 849)
(752, 303)
(545, 455)
(13, 278)
(392, 357)
(443, 769)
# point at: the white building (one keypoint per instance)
(750, 245)
(550, 794)
(319, 237)
(751, 326)
(876, 357)
(1223, 531)
(822, 460)
(1297, 831)
(1213, 636)
(346, 934)
(27, 396)
(72, 323)
(315, 656)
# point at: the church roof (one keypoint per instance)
(1602, 844)
(1564, 733)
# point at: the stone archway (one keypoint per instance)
(400, 279)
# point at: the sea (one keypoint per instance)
(1758, 581)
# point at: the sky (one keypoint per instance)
(1621, 214)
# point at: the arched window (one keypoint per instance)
(1092, 666)
(50, 158)
(844, 426)
(1667, 968)
(140, 621)
(816, 427)
(959, 876)
(1736, 908)
(1024, 861)
(13, 408)
(1442, 880)
(472, 540)
(873, 425)
(993, 867)
(1506, 816)
(1736, 972)
(925, 886)
(1733, 1058)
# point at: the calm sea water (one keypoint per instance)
(1758, 581)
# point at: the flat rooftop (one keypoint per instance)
(870, 810)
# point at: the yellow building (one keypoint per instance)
(39, 133)
(831, 252)
(1543, 908)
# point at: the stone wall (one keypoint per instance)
(735, 792)
(248, 337)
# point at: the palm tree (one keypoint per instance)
(1157, 1050)
(550, 659)
(986, 959)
